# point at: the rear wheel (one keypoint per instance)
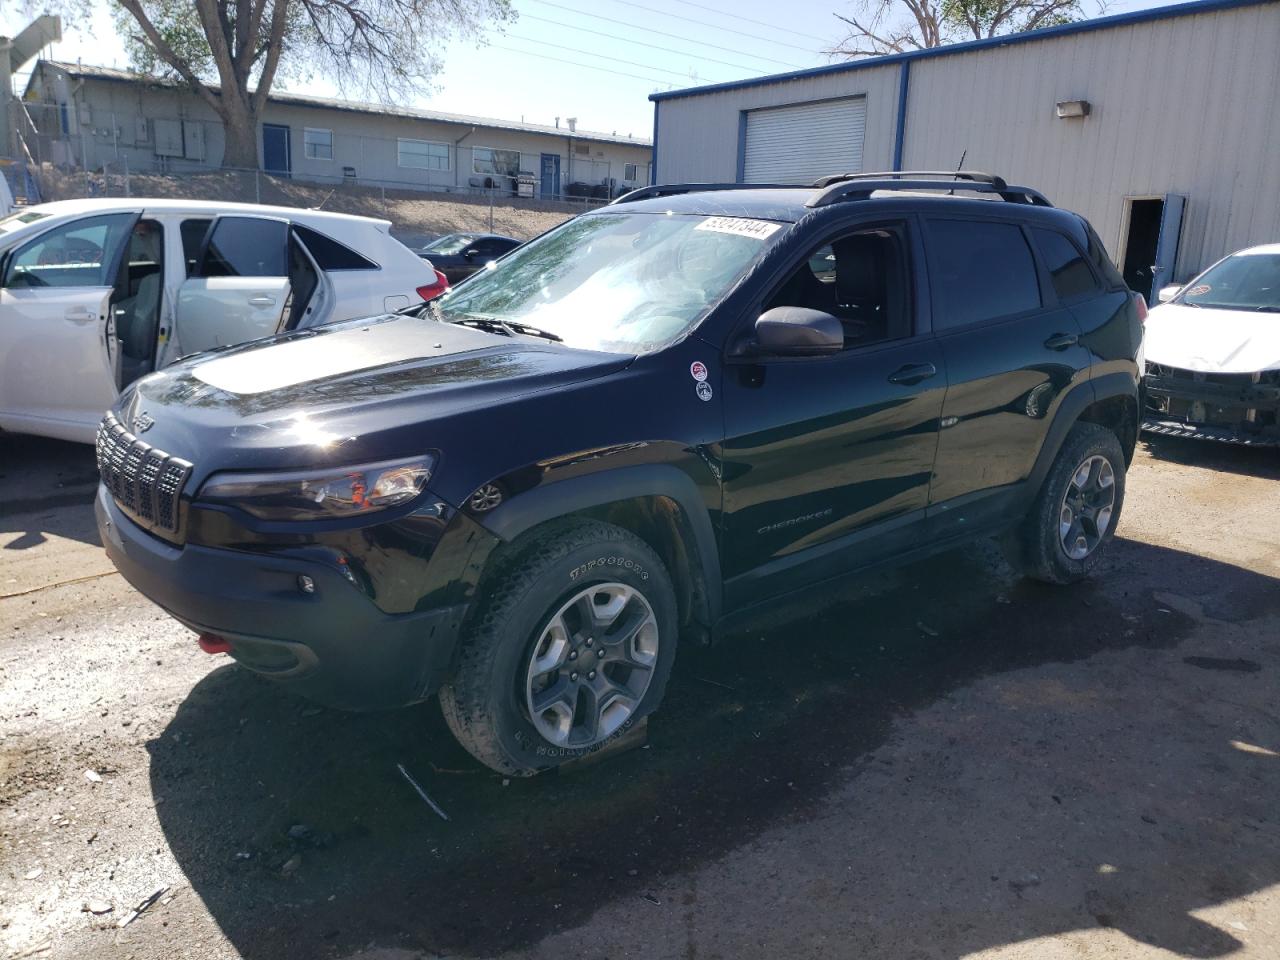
(573, 646)
(1075, 514)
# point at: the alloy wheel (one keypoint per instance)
(1087, 507)
(591, 665)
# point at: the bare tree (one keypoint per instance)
(877, 27)
(231, 52)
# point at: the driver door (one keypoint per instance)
(58, 351)
(240, 288)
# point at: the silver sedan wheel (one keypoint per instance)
(1087, 506)
(591, 665)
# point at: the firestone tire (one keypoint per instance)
(487, 704)
(1046, 546)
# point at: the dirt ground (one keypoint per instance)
(937, 762)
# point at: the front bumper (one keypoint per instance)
(1233, 408)
(333, 646)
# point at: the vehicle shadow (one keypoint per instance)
(38, 476)
(1261, 462)
(299, 835)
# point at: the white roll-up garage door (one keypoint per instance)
(799, 143)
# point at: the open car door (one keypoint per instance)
(58, 348)
(239, 290)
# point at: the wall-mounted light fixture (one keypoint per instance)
(1073, 108)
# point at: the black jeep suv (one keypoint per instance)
(640, 427)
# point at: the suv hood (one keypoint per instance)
(1211, 340)
(327, 394)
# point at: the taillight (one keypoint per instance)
(1140, 302)
(430, 291)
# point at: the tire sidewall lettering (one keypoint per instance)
(606, 562)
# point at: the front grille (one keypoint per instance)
(145, 483)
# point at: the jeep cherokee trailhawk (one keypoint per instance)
(637, 428)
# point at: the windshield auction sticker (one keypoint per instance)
(740, 227)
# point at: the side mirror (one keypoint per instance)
(798, 332)
(1168, 293)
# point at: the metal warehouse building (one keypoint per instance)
(1162, 126)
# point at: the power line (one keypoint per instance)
(704, 23)
(759, 23)
(639, 43)
(588, 66)
(631, 63)
(672, 36)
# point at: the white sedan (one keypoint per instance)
(1213, 352)
(97, 293)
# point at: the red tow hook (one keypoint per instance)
(212, 643)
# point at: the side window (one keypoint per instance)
(193, 232)
(329, 254)
(76, 254)
(1101, 262)
(1070, 274)
(980, 270)
(861, 278)
(246, 247)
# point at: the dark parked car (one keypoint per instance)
(638, 429)
(459, 255)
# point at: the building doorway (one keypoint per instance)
(276, 155)
(550, 175)
(1152, 226)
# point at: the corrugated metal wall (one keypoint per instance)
(698, 136)
(1187, 105)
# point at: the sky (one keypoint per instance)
(596, 60)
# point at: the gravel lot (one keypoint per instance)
(938, 762)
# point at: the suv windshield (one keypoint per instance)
(450, 244)
(624, 283)
(1247, 281)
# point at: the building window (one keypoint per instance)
(630, 171)
(496, 163)
(317, 144)
(422, 154)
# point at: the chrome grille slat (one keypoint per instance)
(145, 483)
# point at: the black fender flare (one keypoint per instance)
(573, 495)
(1078, 399)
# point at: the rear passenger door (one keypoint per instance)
(1012, 350)
(240, 287)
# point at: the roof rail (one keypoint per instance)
(976, 176)
(860, 186)
(673, 189)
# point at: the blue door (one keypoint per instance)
(275, 149)
(550, 174)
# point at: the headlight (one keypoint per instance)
(321, 494)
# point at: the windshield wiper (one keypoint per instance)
(511, 328)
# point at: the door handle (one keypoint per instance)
(261, 301)
(81, 315)
(913, 373)
(1060, 341)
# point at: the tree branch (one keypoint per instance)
(166, 53)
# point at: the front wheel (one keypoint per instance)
(1075, 514)
(573, 646)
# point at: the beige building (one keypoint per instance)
(98, 118)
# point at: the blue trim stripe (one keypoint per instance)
(1084, 26)
(900, 132)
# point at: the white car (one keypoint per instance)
(1213, 352)
(97, 293)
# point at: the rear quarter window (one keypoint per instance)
(1068, 271)
(980, 270)
(1102, 261)
(329, 254)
